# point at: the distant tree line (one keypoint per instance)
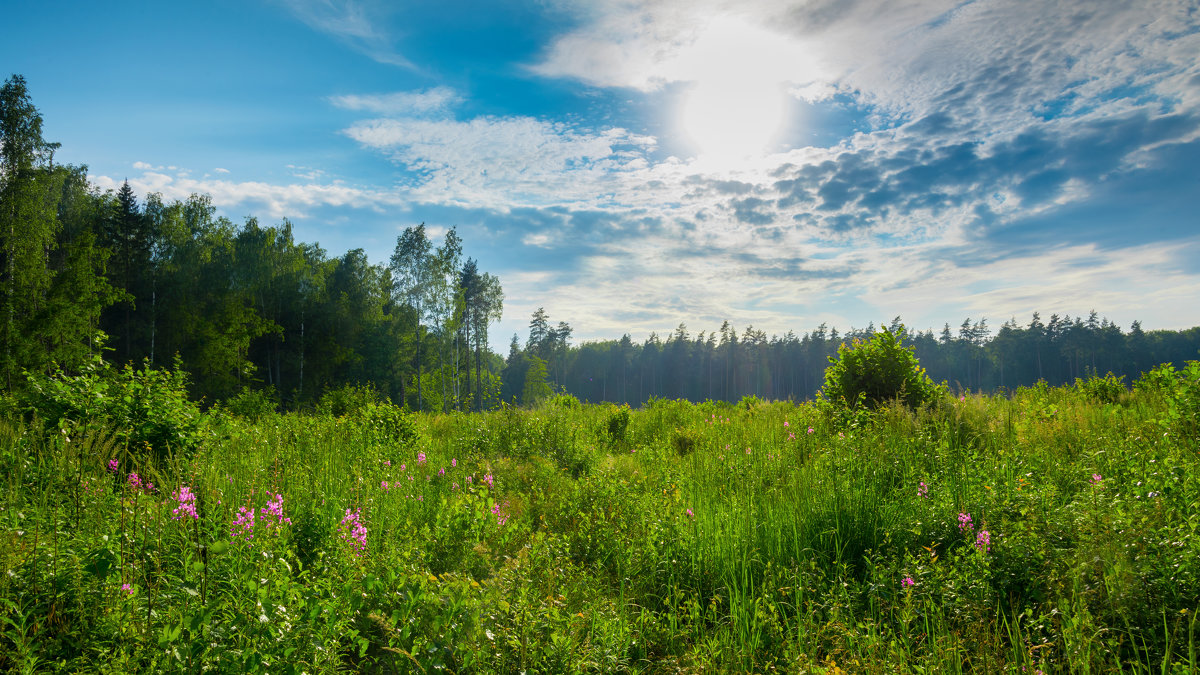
(86, 273)
(727, 365)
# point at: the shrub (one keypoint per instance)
(148, 408)
(565, 401)
(868, 374)
(347, 399)
(684, 440)
(617, 423)
(1107, 389)
(252, 404)
(389, 421)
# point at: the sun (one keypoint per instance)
(730, 121)
(736, 107)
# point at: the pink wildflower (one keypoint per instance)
(983, 541)
(112, 465)
(487, 478)
(965, 524)
(353, 532)
(275, 508)
(923, 490)
(186, 504)
(907, 582)
(243, 526)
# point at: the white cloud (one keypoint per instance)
(354, 22)
(502, 161)
(220, 170)
(263, 199)
(436, 99)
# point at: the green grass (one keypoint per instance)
(675, 538)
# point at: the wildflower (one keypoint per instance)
(353, 532)
(387, 462)
(186, 504)
(127, 588)
(403, 467)
(243, 526)
(112, 465)
(487, 478)
(134, 481)
(923, 490)
(453, 462)
(383, 485)
(810, 430)
(1096, 478)
(442, 471)
(747, 451)
(965, 524)
(470, 479)
(785, 423)
(275, 508)
(907, 582)
(421, 458)
(791, 436)
(690, 514)
(983, 541)
(501, 517)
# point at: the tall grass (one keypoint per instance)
(590, 538)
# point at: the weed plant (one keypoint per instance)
(1053, 530)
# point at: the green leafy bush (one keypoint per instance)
(148, 408)
(867, 374)
(1107, 389)
(347, 399)
(252, 404)
(617, 422)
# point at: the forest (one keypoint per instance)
(245, 309)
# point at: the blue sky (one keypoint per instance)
(633, 165)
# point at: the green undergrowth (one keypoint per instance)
(1053, 531)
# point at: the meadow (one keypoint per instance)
(1048, 530)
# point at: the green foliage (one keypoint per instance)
(684, 440)
(868, 374)
(716, 539)
(1106, 389)
(751, 402)
(148, 408)
(252, 404)
(1180, 391)
(536, 388)
(348, 399)
(565, 401)
(616, 422)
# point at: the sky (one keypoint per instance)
(630, 166)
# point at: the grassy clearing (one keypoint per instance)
(1048, 531)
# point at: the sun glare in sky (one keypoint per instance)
(737, 105)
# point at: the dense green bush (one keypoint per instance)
(867, 374)
(147, 407)
(1107, 389)
(252, 404)
(348, 399)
